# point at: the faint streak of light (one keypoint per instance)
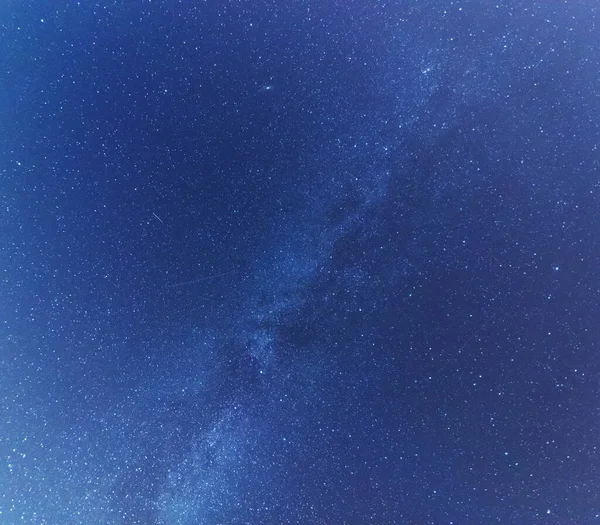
(157, 217)
(201, 279)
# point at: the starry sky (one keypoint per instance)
(305, 262)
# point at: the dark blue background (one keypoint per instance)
(301, 262)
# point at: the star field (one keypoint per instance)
(327, 263)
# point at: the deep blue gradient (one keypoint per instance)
(299, 262)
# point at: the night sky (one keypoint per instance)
(304, 262)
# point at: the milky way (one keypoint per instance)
(328, 263)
